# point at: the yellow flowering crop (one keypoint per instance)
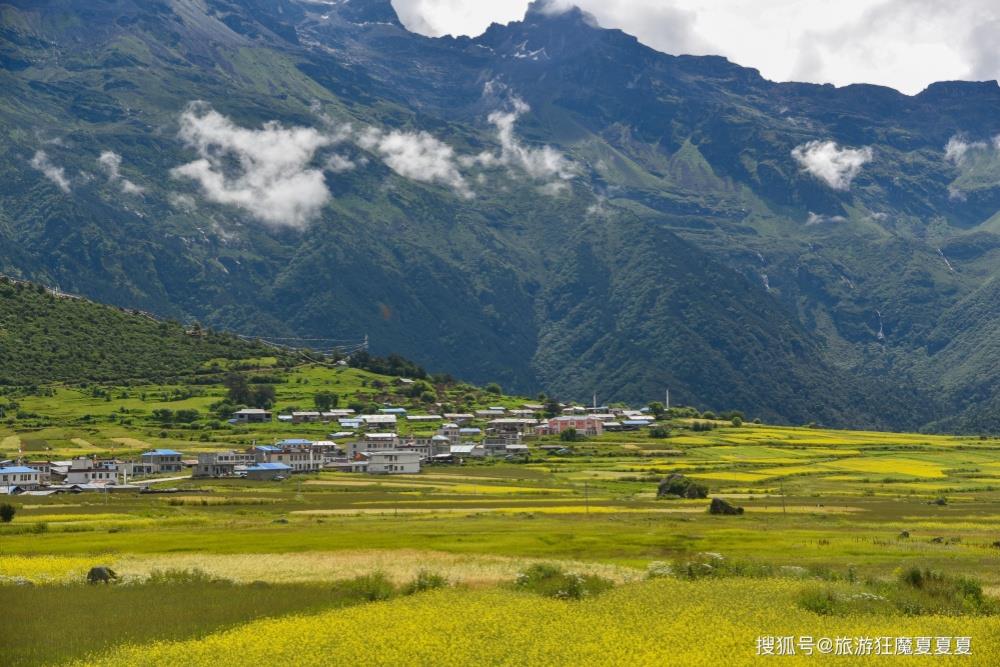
(663, 622)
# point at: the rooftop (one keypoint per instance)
(270, 466)
(16, 469)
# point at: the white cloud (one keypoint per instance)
(265, 172)
(823, 219)
(338, 163)
(111, 162)
(544, 163)
(957, 149)
(57, 175)
(416, 155)
(960, 149)
(833, 165)
(905, 44)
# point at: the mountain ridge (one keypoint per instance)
(692, 156)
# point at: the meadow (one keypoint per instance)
(834, 525)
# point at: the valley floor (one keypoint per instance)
(560, 560)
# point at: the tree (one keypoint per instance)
(239, 389)
(163, 415)
(7, 512)
(570, 435)
(326, 400)
(659, 432)
(419, 388)
(657, 409)
(493, 388)
(262, 395)
(737, 421)
(552, 407)
(186, 416)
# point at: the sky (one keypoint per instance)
(904, 44)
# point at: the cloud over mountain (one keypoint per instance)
(416, 155)
(830, 163)
(57, 175)
(265, 171)
(111, 163)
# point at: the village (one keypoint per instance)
(364, 443)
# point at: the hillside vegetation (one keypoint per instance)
(685, 247)
(48, 338)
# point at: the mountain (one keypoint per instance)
(551, 205)
(50, 337)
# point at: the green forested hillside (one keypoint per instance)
(550, 205)
(47, 338)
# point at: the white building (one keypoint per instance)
(251, 415)
(393, 462)
(90, 471)
(373, 442)
(379, 420)
(18, 477)
(221, 464)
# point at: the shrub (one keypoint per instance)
(425, 581)
(7, 512)
(570, 435)
(552, 581)
(659, 432)
(371, 587)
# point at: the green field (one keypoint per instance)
(833, 522)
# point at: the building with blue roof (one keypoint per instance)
(158, 461)
(22, 477)
(268, 471)
(295, 442)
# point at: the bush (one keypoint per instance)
(7, 512)
(371, 587)
(552, 581)
(425, 581)
(659, 432)
(570, 435)
(493, 388)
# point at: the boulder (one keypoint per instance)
(101, 574)
(720, 506)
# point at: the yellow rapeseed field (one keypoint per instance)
(664, 622)
(45, 569)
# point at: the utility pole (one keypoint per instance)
(586, 496)
(666, 402)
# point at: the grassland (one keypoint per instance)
(842, 511)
